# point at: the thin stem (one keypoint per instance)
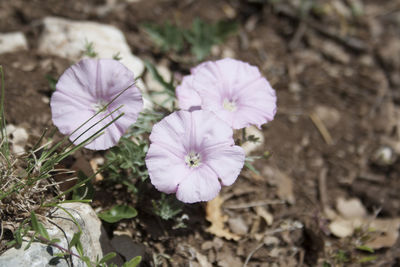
(4, 145)
(48, 242)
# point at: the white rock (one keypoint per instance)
(37, 255)
(12, 42)
(345, 227)
(248, 146)
(238, 226)
(67, 39)
(351, 208)
(18, 136)
(341, 228)
(40, 254)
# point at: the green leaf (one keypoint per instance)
(52, 82)
(79, 248)
(87, 261)
(117, 213)
(251, 167)
(166, 36)
(54, 261)
(89, 49)
(75, 239)
(341, 256)
(202, 36)
(168, 86)
(133, 262)
(366, 248)
(167, 207)
(38, 227)
(108, 257)
(18, 237)
(367, 259)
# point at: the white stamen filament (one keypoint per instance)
(193, 160)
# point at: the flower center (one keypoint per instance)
(99, 106)
(229, 105)
(193, 160)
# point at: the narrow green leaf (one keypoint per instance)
(18, 236)
(79, 248)
(251, 167)
(367, 259)
(166, 37)
(366, 248)
(87, 261)
(118, 213)
(157, 76)
(54, 261)
(38, 227)
(52, 82)
(75, 239)
(108, 257)
(133, 262)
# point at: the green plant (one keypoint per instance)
(166, 36)
(89, 49)
(167, 207)
(118, 213)
(125, 162)
(200, 37)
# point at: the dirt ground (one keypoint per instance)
(336, 135)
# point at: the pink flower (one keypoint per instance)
(87, 87)
(193, 154)
(233, 90)
(187, 96)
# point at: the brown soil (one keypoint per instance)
(349, 66)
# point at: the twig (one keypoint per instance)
(372, 177)
(2, 231)
(322, 188)
(254, 204)
(252, 253)
(301, 30)
(321, 128)
(48, 242)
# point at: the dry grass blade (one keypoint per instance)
(321, 128)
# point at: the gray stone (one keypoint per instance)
(248, 146)
(67, 39)
(124, 245)
(63, 228)
(12, 42)
(238, 226)
(18, 137)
